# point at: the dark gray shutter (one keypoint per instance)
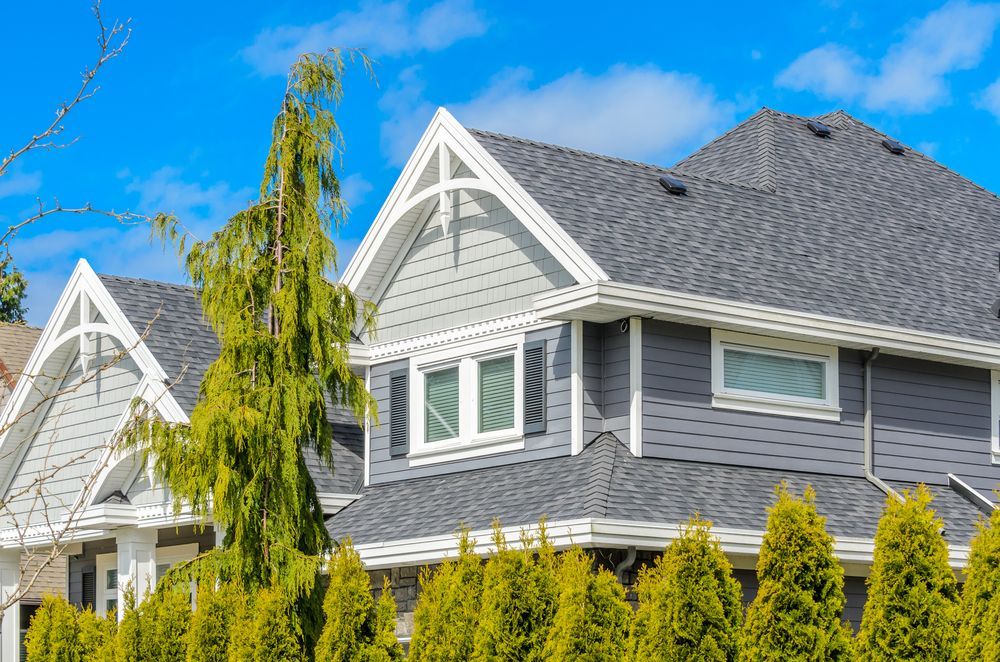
(88, 592)
(399, 438)
(534, 387)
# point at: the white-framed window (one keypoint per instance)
(467, 401)
(106, 589)
(995, 415)
(774, 375)
(167, 557)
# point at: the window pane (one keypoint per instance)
(161, 569)
(112, 579)
(110, 606)
(780, 375)
(441, 404)
(496, 394)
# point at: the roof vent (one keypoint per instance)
(820, 129)
(673, 185)
(893, 146)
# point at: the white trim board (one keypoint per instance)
(369, 267)
(605, 533)
(609, 301)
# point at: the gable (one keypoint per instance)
(484, 266)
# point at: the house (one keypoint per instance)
(608, 344)
(16, 343)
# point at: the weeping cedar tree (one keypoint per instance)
(283, 329)
(444, 621)
(911, 611)
(796, 614)
(518, 601)
(357, 627)
(592, 617)
(690, 605)
(980, 606)
(13, 285)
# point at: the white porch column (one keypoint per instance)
(136, 563)
(10, 575)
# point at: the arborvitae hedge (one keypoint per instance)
(128, 642)
(518, 601)
(208, 635)
(912, 607)
(797, 612)
(267, 630)
(978, 638)
(444, 621)
(54, 635)
(355, 628)
(97, 636)
(592, 617)
(164, 619)
(690, 605)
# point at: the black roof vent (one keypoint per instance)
(820, 129)
(673, 185)
(893, 146)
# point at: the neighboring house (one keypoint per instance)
(574, 336)
(16, 343)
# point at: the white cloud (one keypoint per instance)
(991, 98)
(641, 113)
(912, 75)
(383, 29)
(354, 188)
(48, 252)
(17, 182)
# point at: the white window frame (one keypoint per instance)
(995, 415)
(103, 563)
(470, 442)
(754, 401)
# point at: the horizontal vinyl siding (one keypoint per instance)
(855, 594)
(487, 265)
(593, 381)
(679, 421)
(616, 381)
(931, 419)
(554, 442)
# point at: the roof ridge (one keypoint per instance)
(148, 281)
(767, 171)
(599, 477)
(725, 134)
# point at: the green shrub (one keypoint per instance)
(54, 633)
(980, 605)
(128, 640)
(690, 605)
(592, 618)
(208, 635)
(444, 621)
(164, 619)
(97, 636)
(800, 600)
(267, 630)
(355, 628)
(519, 600)
(911, 612)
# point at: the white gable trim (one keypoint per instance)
(364, 277)
(83, 291)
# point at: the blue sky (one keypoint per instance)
(181, 123)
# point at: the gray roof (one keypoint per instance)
(606, 481)
(16, 344)
(777, 216)
(184, 345)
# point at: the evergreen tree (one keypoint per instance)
(208, 636)
(911, 612)
(444, 621)
(356, 628)
(54, 633)
(270, 631)
(13, 286)
(128, 638)
(284, 330)
(97, 636)
(519, 600)
(592, 617)
(690, 605)
(797, 612)
(980, 605)
(164, 619)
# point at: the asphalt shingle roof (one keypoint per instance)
(777, 216)
(16, 344)
(184, 345)
(606, 481)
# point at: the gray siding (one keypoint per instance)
(488, 265)
(932, 419)
(555, 441)
(616, 381)
(855, 594)
(593, 381)
(74, 432)
(679, 421)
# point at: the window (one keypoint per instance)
(466, 401)
(106, 599)
(774, 376)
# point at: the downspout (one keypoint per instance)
(869, 430)
(625, 565)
